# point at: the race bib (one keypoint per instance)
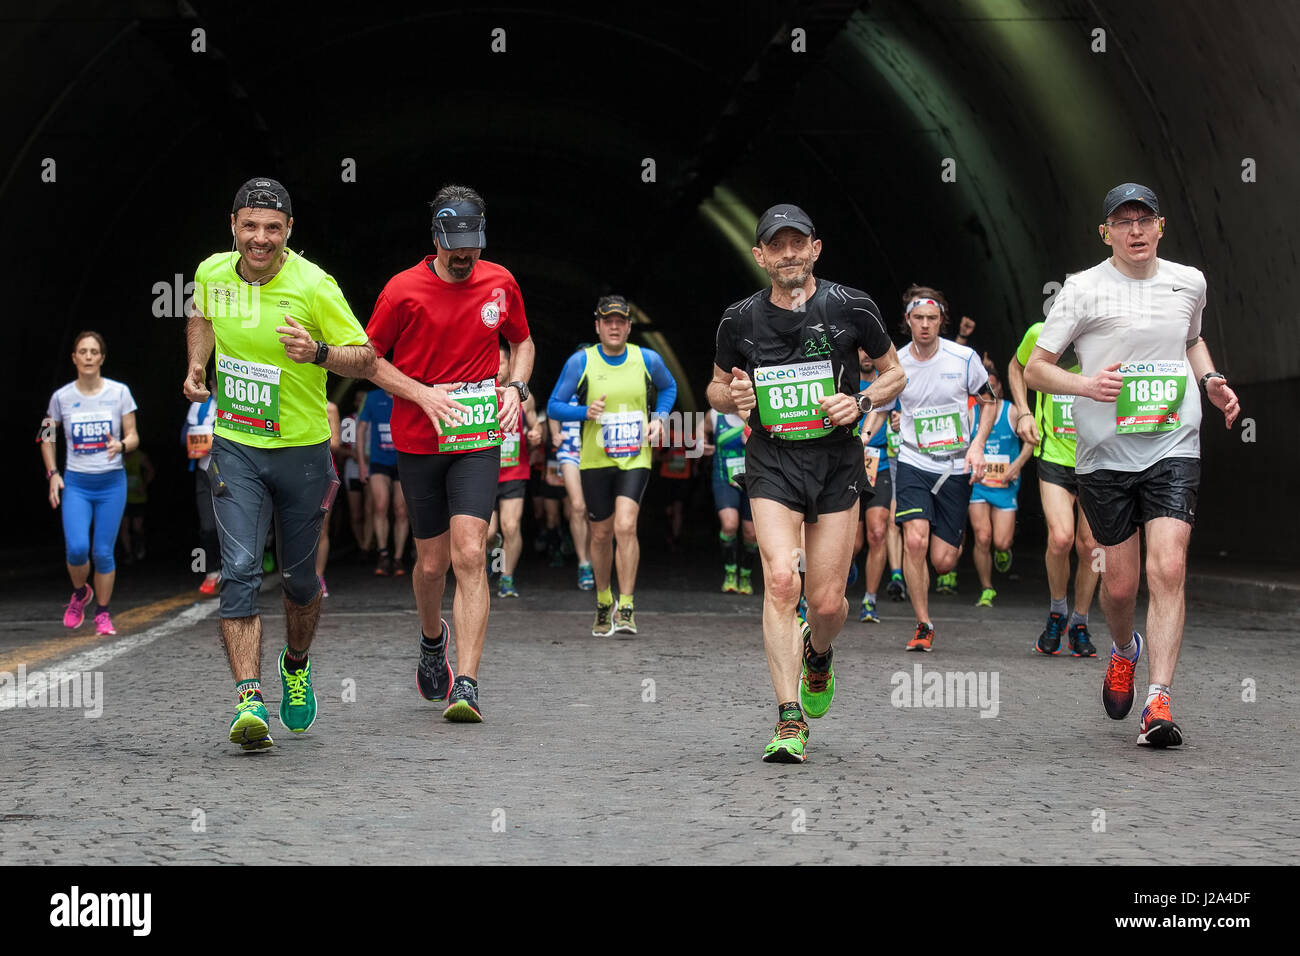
(732, 466)
(198, 441)
(620, 433)
(1149, 397)
(871, 458)
(789, 399)
(89, 432)
(479, 429)
(510, 451)
(248, 396)
(939, 429)
(386, 437)
(892, 440)
(995, 472)
(1063, 417)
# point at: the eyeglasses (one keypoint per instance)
(1127, 225)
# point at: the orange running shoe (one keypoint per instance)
(923, 639)
(1117, 688)
(1158, 728)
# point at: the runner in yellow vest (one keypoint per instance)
(613, 381)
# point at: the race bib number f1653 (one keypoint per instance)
(89, 432)
(248, 396)
(479, 428)
(620, 433)
(789, 399)
(1149, 397)
(939, 429)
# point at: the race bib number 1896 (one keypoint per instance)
(1149, 397)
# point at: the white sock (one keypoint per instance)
(1129, 650)
(1154, 689)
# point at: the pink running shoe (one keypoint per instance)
(103, 624)
(324, 591)
(76, 612)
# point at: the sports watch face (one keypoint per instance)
(523, 390)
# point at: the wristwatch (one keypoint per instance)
(1209, 375)
(521, 388)
(50, 473)
(322, 354)
(864, 397)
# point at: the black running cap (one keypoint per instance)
(263, 193)
(779, 217)
(1129, 192)
(613, 305)
(460, 224)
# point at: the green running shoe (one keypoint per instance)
(463, 706)
(604, 625)
(624, 620)
(1002, 561)
(298, 702)
(729, 585)
(250, 729)
(787, 745)
(986, 598)
(506, 587)
(746, 584)
(869, 614)
(816, 688)
(268, 562)
(946, 583)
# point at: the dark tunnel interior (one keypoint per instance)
(630, 148)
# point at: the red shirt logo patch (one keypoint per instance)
(491, 314)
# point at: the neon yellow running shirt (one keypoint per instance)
(264, 398)
(1053, 414)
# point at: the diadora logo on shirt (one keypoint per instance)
(490, 313)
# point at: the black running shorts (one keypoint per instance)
(810, 478)
(439, 486)
(600, 486)
(1117, 502)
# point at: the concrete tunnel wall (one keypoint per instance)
(1038, 122)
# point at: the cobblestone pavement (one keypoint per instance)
(645, 749)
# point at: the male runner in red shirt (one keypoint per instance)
(442, 318)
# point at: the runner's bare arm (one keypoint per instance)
(730, 393)
(1042, 374)
(890, 381)
(1022, 418)
(522, 355)
(199, 343)
(433, 400)
(1216, 389)
(351, 361)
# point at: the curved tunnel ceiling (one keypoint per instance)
(150, 138)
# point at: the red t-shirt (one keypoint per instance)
(443, 332)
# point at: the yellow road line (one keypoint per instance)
(132, 620)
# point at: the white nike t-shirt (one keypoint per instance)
(934, 426)
(1140, 322)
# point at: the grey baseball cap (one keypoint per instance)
(1129, 192)
(779, 217)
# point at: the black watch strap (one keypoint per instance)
(521, 388)
(322, 353)
(1209, 375)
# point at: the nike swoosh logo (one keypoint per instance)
(1179, 288)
